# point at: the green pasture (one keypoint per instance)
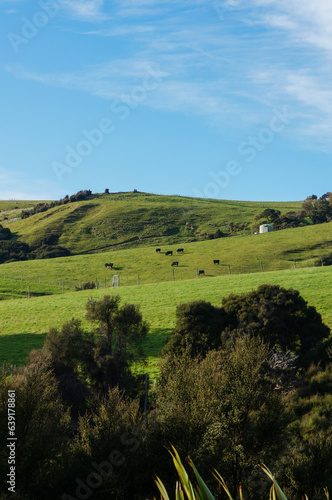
(280, 250)
(123, 220)
(24, 323)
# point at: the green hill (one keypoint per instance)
(239, 254)
(127, 220)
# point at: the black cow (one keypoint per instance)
(200, 272)
(169, 252)
(180, 250)
(158, 250)
(216, 262)
(109, 266)
(175, 264)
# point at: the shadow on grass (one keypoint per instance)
(156, 340)
(14, 349)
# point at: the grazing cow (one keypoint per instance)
(175, 264)
(200, 272)
(109, 266)
(169, 252)
(216, 262)
(158, 250)
(180, 250)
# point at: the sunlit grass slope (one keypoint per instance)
(24, 323)
(123, 220)
(244, 254)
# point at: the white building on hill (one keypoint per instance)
(265, 228)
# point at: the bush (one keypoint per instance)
(5, 233)
(13, 250)
(279, 316)
(49, 252)
(89, 285)
(198, 327)
(326, 260)
(42, 431)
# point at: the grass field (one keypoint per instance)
(244, 254)
(24, 323)
(124, 220)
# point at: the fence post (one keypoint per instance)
(262, 267)
(146, 392)
(197, 272)
(173, 274)
(138, 279)
(294, 264)
(63, 287)
(28, 292)
(322, 261)
(229, 269)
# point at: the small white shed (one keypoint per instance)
(265, 228)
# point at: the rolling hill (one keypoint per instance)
(127, 220)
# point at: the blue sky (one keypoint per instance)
(222, 99)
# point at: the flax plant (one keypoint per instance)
(185, 490)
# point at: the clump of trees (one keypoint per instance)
(240, 384)
(41, 248)
(314, 210)
(5, 233)
(13, 250)
(43, 207)
(281, 317)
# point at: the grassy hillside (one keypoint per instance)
(124, 220)
(24, 323)
(244, 254)
(11, 209)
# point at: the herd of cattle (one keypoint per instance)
(181, 250)
(175, 263)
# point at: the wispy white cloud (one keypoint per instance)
(85, 10)
(265, 53)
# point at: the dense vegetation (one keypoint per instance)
(43, 207)
(245, 399)
(5, 233)
(324, 260)
(280, 317)
(41, 248)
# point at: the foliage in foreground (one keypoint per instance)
(185, 488)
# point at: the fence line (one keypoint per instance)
(39, 285)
